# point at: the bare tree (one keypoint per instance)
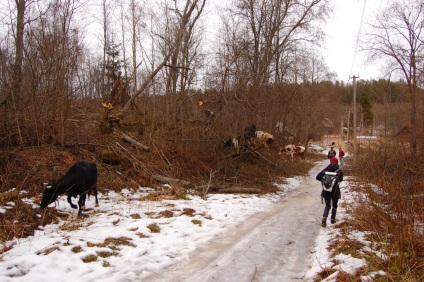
(232, 64)
(63, 13)
(172, 49)
(190, 48)
(273, 26)
(106, 31)
(178, 68)
(397, 37)
(135, 22)
(17, 68)
(309, 67)
(14, 77)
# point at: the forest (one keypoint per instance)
(144, 88)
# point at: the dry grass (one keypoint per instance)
(184, 152)
(389, 209)
(25, 169)
(390, 203)
(197, 222)
(154, 228)
(113, 243)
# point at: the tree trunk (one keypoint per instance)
(171, 180)
(188, 10)
(17, 80)
(135, 143)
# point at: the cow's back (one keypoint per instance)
(87, 172)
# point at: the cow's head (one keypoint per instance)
(50, 194)
(228, 143)
(232, 143)
(269, 139)
(250, 131)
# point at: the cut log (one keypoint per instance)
(171, 180)
(208, 188)
(135, 143)
(241, 190)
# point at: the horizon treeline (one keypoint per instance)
(159, 68)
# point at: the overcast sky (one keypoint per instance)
(343, 30)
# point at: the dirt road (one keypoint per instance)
(272, 246)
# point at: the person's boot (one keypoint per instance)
(333, 220)
(324, 222)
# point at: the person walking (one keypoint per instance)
(341, 155)
(331, 198)
(331, 153)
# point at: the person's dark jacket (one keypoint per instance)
(331, 168)
(331, 153)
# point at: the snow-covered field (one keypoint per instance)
(127, 239)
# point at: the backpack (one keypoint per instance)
(332, 153)
(328, 181)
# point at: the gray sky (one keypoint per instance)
(342, 31)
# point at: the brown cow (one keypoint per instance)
(292, 150)
(265, 138)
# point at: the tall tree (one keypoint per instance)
(274, 26)
(173, 47)
(106, 31)
(135, 22)
(181, 53)
(367, 115)
(17, 68)
(397, 37)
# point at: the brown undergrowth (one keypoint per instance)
(389, 210)
(23, 170)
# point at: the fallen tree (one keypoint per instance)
(228, 189)
(171, 181)
(135, 143)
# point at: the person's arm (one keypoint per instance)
(340, 175)
(320, 175)
(322, 172)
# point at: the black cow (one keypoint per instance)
(233, 142)
(81, 179)
(242, 143)
(250, 132)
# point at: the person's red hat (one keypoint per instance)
(334, 160)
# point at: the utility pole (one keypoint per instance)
(348, 128)
(354, 114)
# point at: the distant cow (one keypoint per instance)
(250, 132)
(233, 142)
(242, 143)
(264, 137)
(81, 179)
(292, 150)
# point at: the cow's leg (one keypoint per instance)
(81, 203)
(95, 194)
(70, 202)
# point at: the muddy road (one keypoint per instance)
(274, 245)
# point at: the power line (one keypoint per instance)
(358, 36)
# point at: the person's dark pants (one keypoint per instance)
(331, 201)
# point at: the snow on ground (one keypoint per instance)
(118, 242)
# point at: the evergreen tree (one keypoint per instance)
(113, 63)
(365, 102)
